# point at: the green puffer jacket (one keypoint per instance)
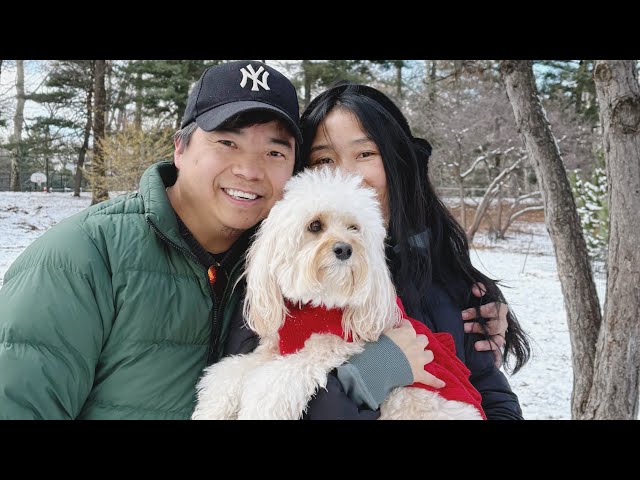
(108, 314)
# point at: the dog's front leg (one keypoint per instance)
(220, 388)
(281, 388)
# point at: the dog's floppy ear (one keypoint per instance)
(264, 309)
(379, 311)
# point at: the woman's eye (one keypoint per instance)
(367, 154)
(276, 154)
(322, 161)
(315, 226)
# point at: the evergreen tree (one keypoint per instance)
(161, 87)
(69, 92)
(319, 74)
(570, 83)
(591, 202)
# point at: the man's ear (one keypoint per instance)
(177, 152)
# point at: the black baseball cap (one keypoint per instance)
(227, 89)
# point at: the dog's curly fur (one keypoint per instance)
(292, 259)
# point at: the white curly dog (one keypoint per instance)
(321, 248)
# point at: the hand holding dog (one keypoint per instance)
(413, 346)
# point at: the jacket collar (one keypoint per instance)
(157, 207)
(159, 212)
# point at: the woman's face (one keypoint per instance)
(341, 141)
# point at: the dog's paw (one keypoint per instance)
(268, 395)
(324, 352)
(220, 388)
(280, 389)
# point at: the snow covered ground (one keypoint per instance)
(527, 271)
(524, 263)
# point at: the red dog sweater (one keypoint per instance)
(301, 323)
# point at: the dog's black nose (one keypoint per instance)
(342, 250)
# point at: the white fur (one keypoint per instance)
(288, 262)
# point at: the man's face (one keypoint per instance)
(230, 179)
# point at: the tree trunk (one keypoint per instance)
(463, 210)
(306, 71)
(432, 81)
(487, 198)
(563, 225)
(500, 206)
(47, 150)
(614, 394)
(399, 78)
(582, 67)
(138, 115)
(99, 192)
(85, 144)
(18, 120)
(109, 114)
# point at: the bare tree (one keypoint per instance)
(130, 152)
(398, 64)
(18, 120)
(563, 225)
(99, 191)
(614, 392)
(515, 212)
(490, 194)
(308, 81)
(430, 79)
(460, 176)
(85, 143)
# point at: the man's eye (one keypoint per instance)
(227, 143)
(276, 154)
(315, 226)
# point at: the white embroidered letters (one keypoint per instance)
(254, 76)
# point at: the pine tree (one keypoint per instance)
(591, 201)
(570, 83)
(161, 87)
(69, 92)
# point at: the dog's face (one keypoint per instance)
(322, 244)
(330, 259)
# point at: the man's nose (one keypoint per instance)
(249, 167)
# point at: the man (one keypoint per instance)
(109, 314)
(113, 313)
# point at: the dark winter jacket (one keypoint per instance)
(440, 314)
(109, 314)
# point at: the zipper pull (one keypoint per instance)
(212, 274)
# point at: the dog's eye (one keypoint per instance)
(353, 228)
(315, 226)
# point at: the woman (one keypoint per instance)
(358, 128)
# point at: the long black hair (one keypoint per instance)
(418, 219)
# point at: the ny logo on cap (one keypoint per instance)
(253, 75)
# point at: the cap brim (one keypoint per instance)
(212, 119)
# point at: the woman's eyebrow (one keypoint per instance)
(322, 146)
(362, 140)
